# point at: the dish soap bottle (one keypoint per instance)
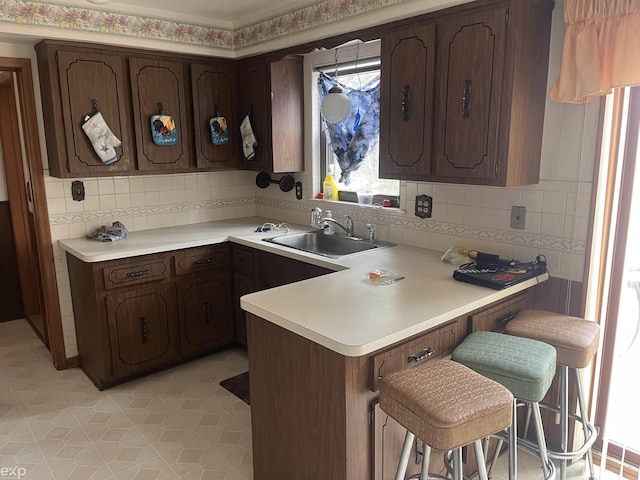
(329, 227)
(330, 188)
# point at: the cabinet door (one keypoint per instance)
(274, 94)
(406, 102)
(255, 101)
(214, 92)
(471, 55)
(242, 285)
(85, 77)
(156, 83)
(205, 312)
(141, 329)
(287, 115)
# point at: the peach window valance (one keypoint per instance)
(601, 49)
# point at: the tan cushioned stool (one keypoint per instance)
(446, 404)
(575, 339)
(576, 342)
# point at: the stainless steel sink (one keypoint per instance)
(333, 246)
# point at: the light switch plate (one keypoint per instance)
(518, 217)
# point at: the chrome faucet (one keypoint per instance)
(319, 222)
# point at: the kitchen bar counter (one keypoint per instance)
(341, 311)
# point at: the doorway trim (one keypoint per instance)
(33, 155)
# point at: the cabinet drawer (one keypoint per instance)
(243, 260)
(201, 258)
(496, 317)
(433, 344)
(133, 273)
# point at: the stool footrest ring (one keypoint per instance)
(530, 447)
(587, 444)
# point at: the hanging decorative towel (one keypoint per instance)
(219, 129)
(249, 141)
(163, 128)
(101, 136)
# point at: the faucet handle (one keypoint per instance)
(316, 216)
(370, 231)
(349, 226)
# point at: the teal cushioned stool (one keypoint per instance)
(526, 367)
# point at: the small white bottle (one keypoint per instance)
(330, 228)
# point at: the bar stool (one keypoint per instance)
(526, 367)
(576, 342)
(447, 406)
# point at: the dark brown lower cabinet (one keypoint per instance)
(138, 315)
(205, 307)
(141, 329)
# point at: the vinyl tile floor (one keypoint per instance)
(176, 424)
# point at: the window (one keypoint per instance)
(357, 70)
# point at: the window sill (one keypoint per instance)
(376, 207)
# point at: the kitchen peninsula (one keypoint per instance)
(317, 347)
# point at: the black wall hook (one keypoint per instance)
(286, 182)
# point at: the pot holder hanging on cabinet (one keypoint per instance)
(163, 128)
(219, 129)
(249, 140)
(100, 135)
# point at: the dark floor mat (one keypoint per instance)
(239, 386)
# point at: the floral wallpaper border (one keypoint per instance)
(43, 14)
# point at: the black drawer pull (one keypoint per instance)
(466, 99)
(143, 329)
(138, 273)
(504, 319)
(202, 261)
(207, 313)
(416, 357)
(404, 104)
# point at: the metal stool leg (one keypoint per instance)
(482, 467)
(564, 418)
(404, 457)
(426, 459)
(513, 444)
(548, 468)
(585, 423)
(457, 464)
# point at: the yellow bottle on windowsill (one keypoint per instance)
(330, 188)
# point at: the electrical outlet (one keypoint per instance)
(518, 217)
(423, 207)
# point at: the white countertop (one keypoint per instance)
(342, 310)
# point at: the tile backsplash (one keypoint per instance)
(475, 216)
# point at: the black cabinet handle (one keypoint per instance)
(504, 319)
(202, 261)
(143, 329)
(405, 103)
(139, 273)
(416, 357)
(466, 99)
(207, 313)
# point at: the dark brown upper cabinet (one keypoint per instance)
(158, 86)
(406, 99)
(273, 97)
(214, 90)
(491, 79)
(71, 81)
